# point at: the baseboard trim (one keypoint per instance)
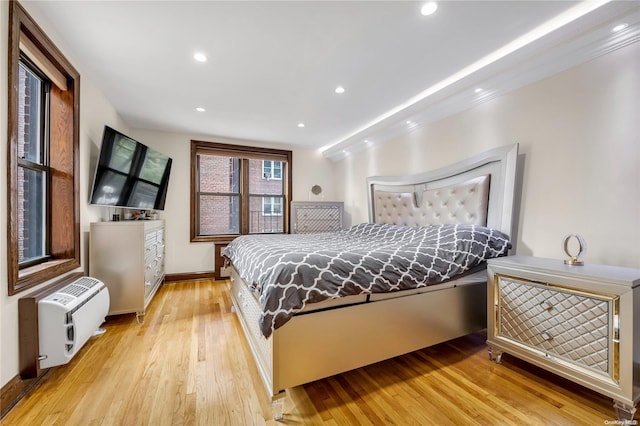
(14, 390)
(189, 276)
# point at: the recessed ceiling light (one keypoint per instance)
(300, 125)
(339, 89)
(200, 109)
(619, 27)
(478, 90)
(429, 8)
(200, 57)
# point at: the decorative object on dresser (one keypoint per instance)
(577, 322)
(310, 217)
(129, 258)
(574, 259)
(316, 190)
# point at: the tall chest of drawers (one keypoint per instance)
(575, 321)
(128, 257)
(309, 217)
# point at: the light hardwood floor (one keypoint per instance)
(189, 364)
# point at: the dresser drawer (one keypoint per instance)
(316, 216)
(247, 303)
(561, 323)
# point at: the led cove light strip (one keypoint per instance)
(548, 27)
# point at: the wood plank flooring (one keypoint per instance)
(189, 364)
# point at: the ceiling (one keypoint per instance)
(274, 64)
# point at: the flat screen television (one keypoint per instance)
(130, 174)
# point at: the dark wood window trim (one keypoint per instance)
(64, 207)
(244, 152)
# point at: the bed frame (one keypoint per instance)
(327, 342)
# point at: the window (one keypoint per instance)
(271, 169)
(43, 139)
(219, 195)
(271, 220)
(234, 191)
(33, 171)
(271, 206)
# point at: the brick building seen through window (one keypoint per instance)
(220, 196)
(32, 170)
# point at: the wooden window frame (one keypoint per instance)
(63, 210)
(246, 153)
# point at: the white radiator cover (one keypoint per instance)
(68, 318)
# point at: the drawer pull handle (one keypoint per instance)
(546, 335)
(546, 305)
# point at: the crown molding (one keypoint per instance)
(581, 41)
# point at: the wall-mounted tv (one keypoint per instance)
(130, 174)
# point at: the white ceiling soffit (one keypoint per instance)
(574, 43)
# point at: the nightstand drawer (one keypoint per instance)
(562, 323)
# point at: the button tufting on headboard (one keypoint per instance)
(465, 202)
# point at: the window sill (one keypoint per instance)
(218, 239)
(38, 274)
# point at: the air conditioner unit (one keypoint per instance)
(68, 318)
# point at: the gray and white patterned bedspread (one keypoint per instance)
(290, 271)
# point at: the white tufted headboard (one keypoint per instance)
(465, 202)
(479, 190)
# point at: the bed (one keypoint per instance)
(335, 335)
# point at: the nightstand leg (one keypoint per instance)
(623, 411)
(497, 357)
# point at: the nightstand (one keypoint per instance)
(219, 271)
(575, 321)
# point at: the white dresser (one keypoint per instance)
(128, 257)
(576, 321)
(309, 217)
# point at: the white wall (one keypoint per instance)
(95, 112)
(183, 256)
(579, 136)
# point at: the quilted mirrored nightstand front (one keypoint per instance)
(576, 321)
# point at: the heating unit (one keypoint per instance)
(68, 318)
